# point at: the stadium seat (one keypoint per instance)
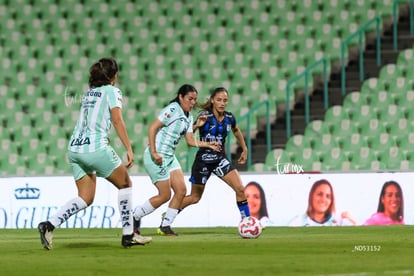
(399, 85)
(389, 72)
(350, 143)
(353, 102)
(362, 115)
(381, 100)
(296, 143)
(257, 167)
(400, 128)
(334, 160)
(380, 142)
(362, 158)
(405, 101)
(344, 128)
(391, 115)
(405, 58)
(334, 116)
(372, 129)
(277, 157)
(324, 144)
(315, 129)
(391, 157)
(305, 160)
(370, 87)
(406, 143)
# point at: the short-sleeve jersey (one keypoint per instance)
(176, 123)
(214, 130)
(94, 123)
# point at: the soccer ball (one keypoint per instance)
(250, 228)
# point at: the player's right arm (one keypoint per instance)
(152, 131)
(119, 125)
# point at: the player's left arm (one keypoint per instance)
(240, 140)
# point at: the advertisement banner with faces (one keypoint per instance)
(25, 201)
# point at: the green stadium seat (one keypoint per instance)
(353, 102)
(391, 115)
(381, 100)
(400, 128)
(351, 143)
(381, 142)
(334, 115)
(399, 84)
(406, 143)
(315, 129)
(405, 101)
(306, 160)
(257, 167)
(362, 115)
(334, 160)
(324, 144)
(391, 157)
(297, 142)
(276, 159)
(389, 72)
(405, 58)
(372, 129)
(371, 87)
(344, 128)
(362, 158)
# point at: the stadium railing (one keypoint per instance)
(360, 34)
(305, 74)
(263, 104)
(395, 21)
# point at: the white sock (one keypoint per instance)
(143, 210)
(169, 217)
(125, 210)
(66, 211)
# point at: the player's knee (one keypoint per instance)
(164, 197)
(195, 199)
(180, 192)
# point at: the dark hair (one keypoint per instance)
(207, 104)
(400, 213)
(331, 208)
(263, 205)
(102, 72)
(183, 90)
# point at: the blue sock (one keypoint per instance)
(243, 208)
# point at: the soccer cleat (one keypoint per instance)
(166, 231)
(137, 226)
(46, 234)
(134, 239)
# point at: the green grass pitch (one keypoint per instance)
(338, 251)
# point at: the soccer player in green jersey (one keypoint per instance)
(91, 155)
(164, 133)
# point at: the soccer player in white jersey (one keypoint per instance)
(164, 133)
(91, 155)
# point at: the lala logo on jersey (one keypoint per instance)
(167, 115)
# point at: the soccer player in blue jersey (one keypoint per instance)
(164, 134)
(91, 155)
(214, 124)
